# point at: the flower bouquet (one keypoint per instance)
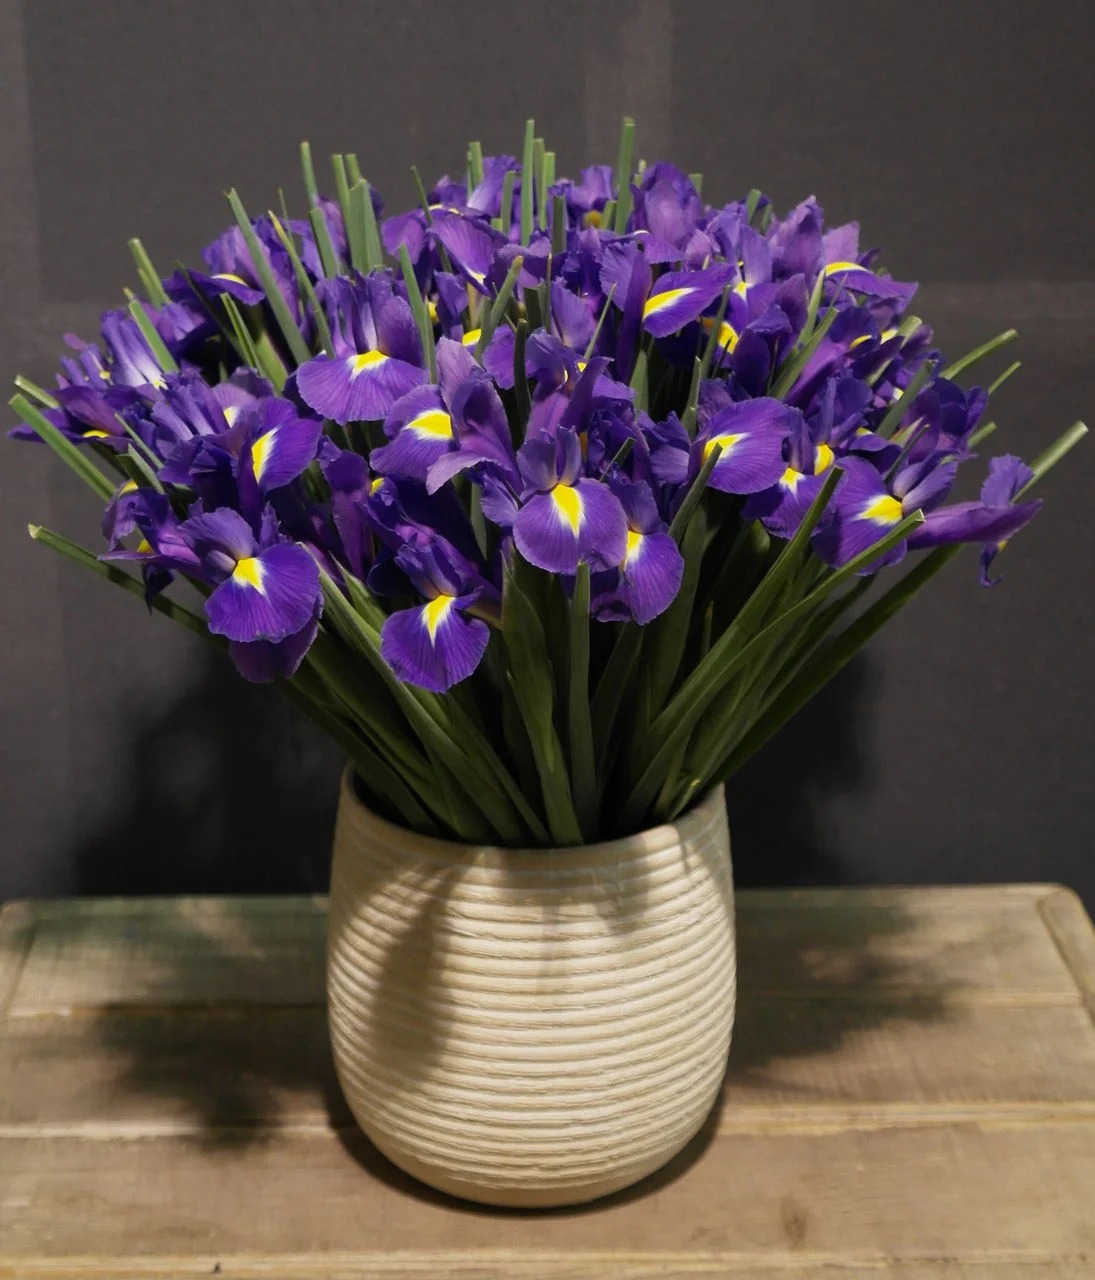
(550, 501)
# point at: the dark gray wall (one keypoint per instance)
(959, 133)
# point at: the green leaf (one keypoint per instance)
(504, 221)
(978, 353)
(982, 433)
(75, 458)
(600, 323)
(293, 338)
(1012, 368)
(623, 176)
(1049, 458)
(611, 688)
(903, 403)
(356, 235)
(309, 173)
(530, 675)
(427, 717)
(475, 162)
(789, 372)
(538, 153)
(751, 202)
(833, 658)
(304, 283)
(726, 659)
(527, 181)
(638, 382)
(373, 248)
(419, 310)
(688, 416)
(153, 340)
(558, 224)
(322, 232)
(161, 603)
(39, 393)
(695, 492)
(150, 277)
(493, 318)
(696, 180)
(583, 764)
(520, 378)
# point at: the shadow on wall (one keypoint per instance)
(232, 791)
(776, 802)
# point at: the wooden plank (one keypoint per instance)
(1072, 931)
(958, 1192)
(834, 1062)
(501, 1265)
(221, 952)
(173, 952)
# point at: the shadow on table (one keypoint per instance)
(234, 1085)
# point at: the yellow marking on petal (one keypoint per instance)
(129, 487)
(471, 337)
(887, 334)
(741, 288)
(634, 546)
(477, 276)
(592, 219)
(97, 433)
(250, 573)
(375, 484)
(884, 510)
(228, 275)
(568, 503)
(790, 479)
(726, 440)
(823, 459)
(435, 612)
(660, 301)
(231, 413)
(104, 374)
(144, 547)
(367, 360)
(435, 423)
(261, 450)
(843, 266)
(728, 335)
(582, 366)
(431, 310)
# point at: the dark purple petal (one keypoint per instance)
(357, 388)
(283, 444)
(433, 645)
(264, 660)
(1007, 475)
(973, 522)
(267, 596)
(651, 574)
(752, 434)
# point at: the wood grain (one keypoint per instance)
(911, 1090)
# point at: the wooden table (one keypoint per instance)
(911, 1091)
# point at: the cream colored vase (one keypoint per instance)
(531, 1028)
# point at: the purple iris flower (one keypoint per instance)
(649, 575)
(471, 244)
(586, 199)
(436, 645)
(565, 517)
(750, 434)
(378, 353)
(275, 446)
(481, 434)
(667, 215)
(679, 297)
(267, 591)
(991, 521)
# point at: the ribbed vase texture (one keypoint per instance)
(531, 1027)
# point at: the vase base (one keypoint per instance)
(556, 1195)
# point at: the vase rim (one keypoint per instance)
(651, 840)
